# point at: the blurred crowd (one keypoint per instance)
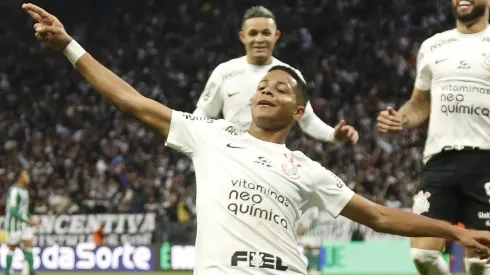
(86, 157)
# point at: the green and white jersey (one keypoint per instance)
(17, 209)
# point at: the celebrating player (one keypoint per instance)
(17, 221)
(232, 84)
(250, 187)
(452, 88)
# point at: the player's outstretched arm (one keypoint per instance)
(399, 222)
(50, 30)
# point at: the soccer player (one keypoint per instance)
(18, 221)
(452, 88)
(232, 84)
(250, 187)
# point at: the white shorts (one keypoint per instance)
(15, 238)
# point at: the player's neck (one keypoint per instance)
(259, 61)
(274, 136)
(477, 26)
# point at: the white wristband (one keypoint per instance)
(73, 52)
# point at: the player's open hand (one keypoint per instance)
(48, 28)
(346, 133)
(478, 240)
(35, 223)
(389, 121)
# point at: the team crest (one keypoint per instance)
(290, 168)
(486, 62)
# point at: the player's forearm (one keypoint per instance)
(108, 84)
(399, 222)
(416, 110)
(317, 129)
(413, 114)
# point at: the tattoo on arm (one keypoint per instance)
(405, 120)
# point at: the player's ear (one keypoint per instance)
(298, 114)
(277, 34)
(241, 36)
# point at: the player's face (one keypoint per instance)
(275, 105)
(259, 36)
(469, 10)
(25, 178)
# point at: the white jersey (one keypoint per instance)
(230, 89)
(455, 67)
(250, 194)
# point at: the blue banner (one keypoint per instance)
(86, 256)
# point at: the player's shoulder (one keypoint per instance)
(438, 39)
(235, 63)
(13, 186)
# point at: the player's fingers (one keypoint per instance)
(389, 122)
(350, 132)
(391, 110)
(36, 9)
(43, 29)
(389, 128)
(340, 124)
(44, 15)
(388, 116)
(480, 247)
(39, 36)
(355, 137)
(383, 128)
(36, 17)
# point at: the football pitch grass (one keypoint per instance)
(168, 273)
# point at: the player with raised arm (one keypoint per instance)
(452, 88)
(250, 187)
(232, 84)
(18, 221)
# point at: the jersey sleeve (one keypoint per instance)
(211, 100)
(424, 76)
(187, 132)
(329, 192)
(313, 126)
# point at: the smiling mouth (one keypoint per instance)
(464, 4)
(265, 103)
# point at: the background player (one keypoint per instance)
(278, 103)
(452, 88)
(232, 84)
(18, 221)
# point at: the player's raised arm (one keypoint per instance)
(211, 102)
(50, 30)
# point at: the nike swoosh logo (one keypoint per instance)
(441, 60)
(230, 95)
(235, 147)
